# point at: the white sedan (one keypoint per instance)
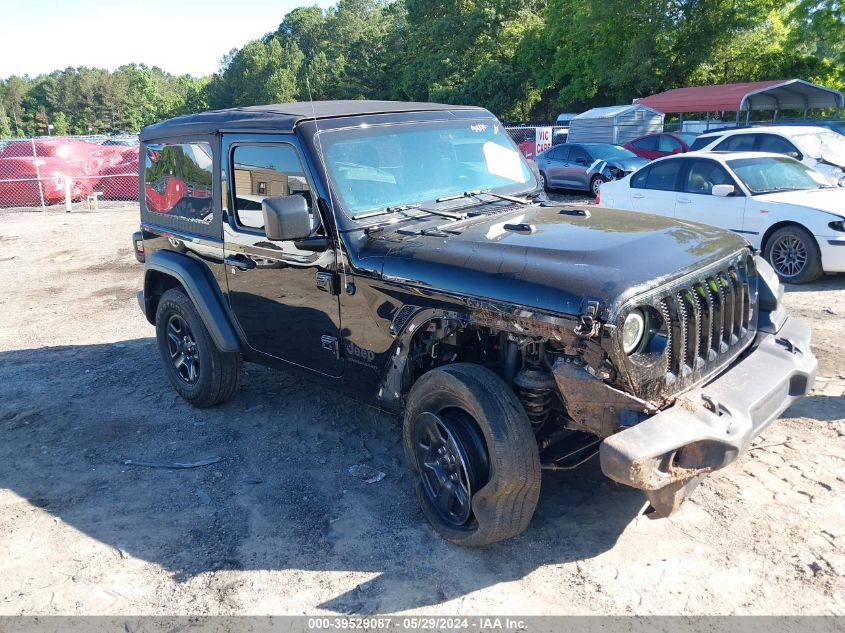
(787, 210)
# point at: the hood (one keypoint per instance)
(831, 200)
(833, 155)
(606, 255)
(628, 164)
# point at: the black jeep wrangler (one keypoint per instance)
(406, 250)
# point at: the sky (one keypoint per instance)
(179, 36)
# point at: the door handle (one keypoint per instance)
(684, 200)
(241, 262)
(637, 196)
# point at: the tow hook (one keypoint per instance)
(720, 410)
(791, 347)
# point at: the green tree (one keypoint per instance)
(60, 124)
(466, 52)
(5, 128)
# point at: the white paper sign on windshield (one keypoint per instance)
(504, 162)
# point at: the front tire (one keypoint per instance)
(473, 455)
(793, 253)
(596, 183)
(197, 369)
(544, 183)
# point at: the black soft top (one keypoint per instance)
(281, 117)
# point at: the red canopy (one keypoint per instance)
(780, 94)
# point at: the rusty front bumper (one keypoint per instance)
(708, 427)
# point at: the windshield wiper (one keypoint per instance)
(400, 208)
(777, 189)
(475, 193)
(472, 193)
(502, 196)
(387, 211)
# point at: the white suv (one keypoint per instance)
(817, 147)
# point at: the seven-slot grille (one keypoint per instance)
(708, 320)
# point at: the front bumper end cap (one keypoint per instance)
(709, 427)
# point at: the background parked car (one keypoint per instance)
(585, 166)
(817, 147)
(120, 181)
(654, 146)
(528, 146)
(24, 183)
(787, 210)
(32, 171)
(35, 171)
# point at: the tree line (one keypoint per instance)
(521, 59)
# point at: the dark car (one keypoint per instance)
(584, 166)
(405, 252)
(653, 146)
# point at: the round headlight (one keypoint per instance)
(633, 330)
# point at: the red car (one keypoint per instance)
(34, 171)
(528, 147)
(25, 183)
(654, 146)
(120, 181)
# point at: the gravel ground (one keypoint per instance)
(277, 525)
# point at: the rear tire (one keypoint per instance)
(794, 254)
(465, 429)
(197, 369)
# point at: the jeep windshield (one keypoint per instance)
(393, 166)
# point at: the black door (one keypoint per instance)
(282, 295)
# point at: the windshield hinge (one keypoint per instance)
(588, 324)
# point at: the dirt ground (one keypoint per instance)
(279, 526)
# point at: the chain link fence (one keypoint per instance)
(69, 173)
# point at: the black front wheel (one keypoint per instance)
(596, 183)
(794, 255)
(473, 455)
(200, 373)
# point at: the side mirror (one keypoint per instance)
(722, 191)
(582, 161)
(794, 155)
(286, 218)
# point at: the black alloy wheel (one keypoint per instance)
(451, 453)
(472, 454)
(199, 372)
(183, 349)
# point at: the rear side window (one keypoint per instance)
(668, 144)
(738, 143)
(177, 180)
(561, 152)
(639, 178)
(579, 155)
(661, 176)
(776, 145)
(700, 143)
(648, 142)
